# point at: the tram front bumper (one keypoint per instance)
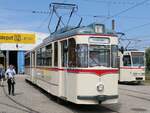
(98, 97)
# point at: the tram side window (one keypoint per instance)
(64, 52)
(48, 55)
(72, 53)
(27, 60)
(33, 58)
(82, 55)
(43, 58)
(126, 60)
(56, 54)
(38, 61)
(114, 58)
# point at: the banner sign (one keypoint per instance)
(19, 38)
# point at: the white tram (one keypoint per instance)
(132, 68)
(78, 65)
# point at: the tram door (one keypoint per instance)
(68, 62)
(64, 59)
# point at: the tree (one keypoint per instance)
(147, 55)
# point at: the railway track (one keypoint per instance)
(78, 108)
(136, 94)
(18, 105)
(139, 97)
(73, 108)
(135, 91)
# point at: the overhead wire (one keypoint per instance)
(43, 22)
(26, 10)
(30, 11)
(113, 2)
(102, 16)
(47, 12)
(105, 16)
(136, 27)
(125, 10)
(17, 10)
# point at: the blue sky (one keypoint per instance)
(135, 23)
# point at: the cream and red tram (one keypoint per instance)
(132, 66)
(63, 65)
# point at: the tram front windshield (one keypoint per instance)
(99, 55)
(138, 58)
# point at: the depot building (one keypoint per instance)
(14, 44)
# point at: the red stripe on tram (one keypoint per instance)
(97, 72)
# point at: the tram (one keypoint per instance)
(132, 66)
(78, 65)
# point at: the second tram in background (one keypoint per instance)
(132, 66)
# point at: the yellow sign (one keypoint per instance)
(19, 38)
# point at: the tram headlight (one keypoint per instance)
(100, 87)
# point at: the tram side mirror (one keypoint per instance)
(121, 50)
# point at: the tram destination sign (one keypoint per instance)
(19, 38)
(99, 40)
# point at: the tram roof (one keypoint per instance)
(140, 51)
(71, 31)
(133, 50)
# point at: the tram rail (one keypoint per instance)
(135, 91)
(136, 94)
(26, 108)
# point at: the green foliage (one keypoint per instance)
(147, 55)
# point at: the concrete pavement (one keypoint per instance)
(29, 99)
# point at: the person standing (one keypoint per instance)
(2, 75)
(10, 73)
